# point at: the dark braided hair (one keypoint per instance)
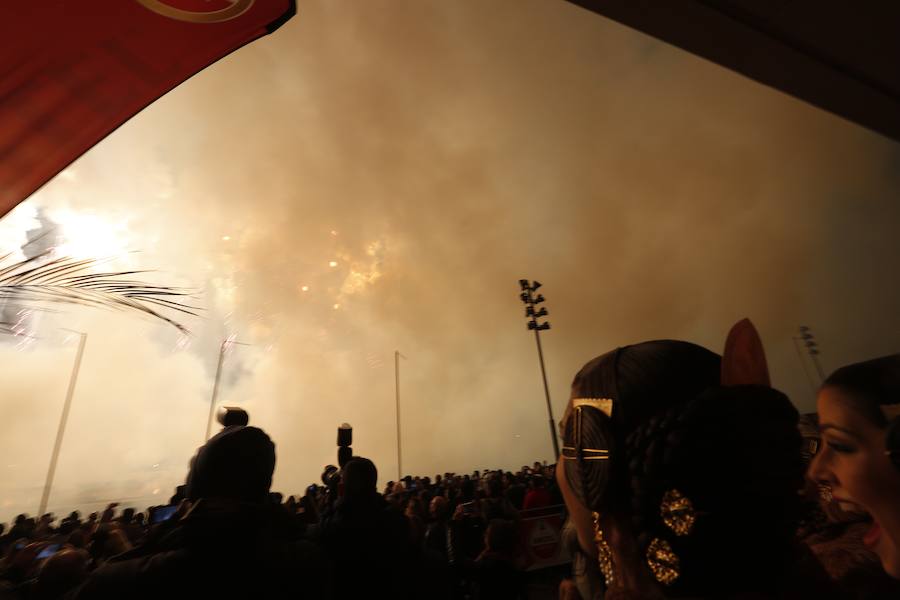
(734, 452)
(641, 380)
(871, 384)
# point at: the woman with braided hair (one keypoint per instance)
(681, 472)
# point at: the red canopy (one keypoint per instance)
(71, 71)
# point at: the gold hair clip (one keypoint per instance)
(577, 452)
(587, 453)
(604, 405)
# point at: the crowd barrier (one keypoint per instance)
(541, 534)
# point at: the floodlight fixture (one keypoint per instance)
(530, 300)
(812, 347)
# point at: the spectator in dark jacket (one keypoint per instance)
(495, 572)
(436, 535)
(227, 545)
(368, 539)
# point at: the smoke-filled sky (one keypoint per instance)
(434, 153)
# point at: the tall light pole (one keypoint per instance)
(812, 347)
(809, 377)
(530, 300)
(397, 357)
(215, 394)
(61, 430)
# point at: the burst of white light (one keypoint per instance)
(225, 238)
(336, 306)
(332, 263)
(333, 232)
(90, 236)
(305, 288)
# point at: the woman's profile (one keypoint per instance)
(858, 462)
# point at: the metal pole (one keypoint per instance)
(809, 377)
(397, 395)
(815, 360)
(809, 341)
(45, 497)
(537, 338)
(215, 394)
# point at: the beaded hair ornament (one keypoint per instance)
(743, 363)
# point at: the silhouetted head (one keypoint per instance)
(501, 537)
(438, 508)
(360, 478)
(237, 464)
(61, 573)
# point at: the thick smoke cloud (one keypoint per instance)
(438, 152)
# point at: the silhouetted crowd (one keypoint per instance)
(453, 536)
(684, 474)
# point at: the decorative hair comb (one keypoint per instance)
(604, 405)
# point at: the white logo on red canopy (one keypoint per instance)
(198, 11)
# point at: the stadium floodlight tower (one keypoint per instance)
(812, 346)
(530, 300)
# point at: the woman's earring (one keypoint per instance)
(604, 552)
